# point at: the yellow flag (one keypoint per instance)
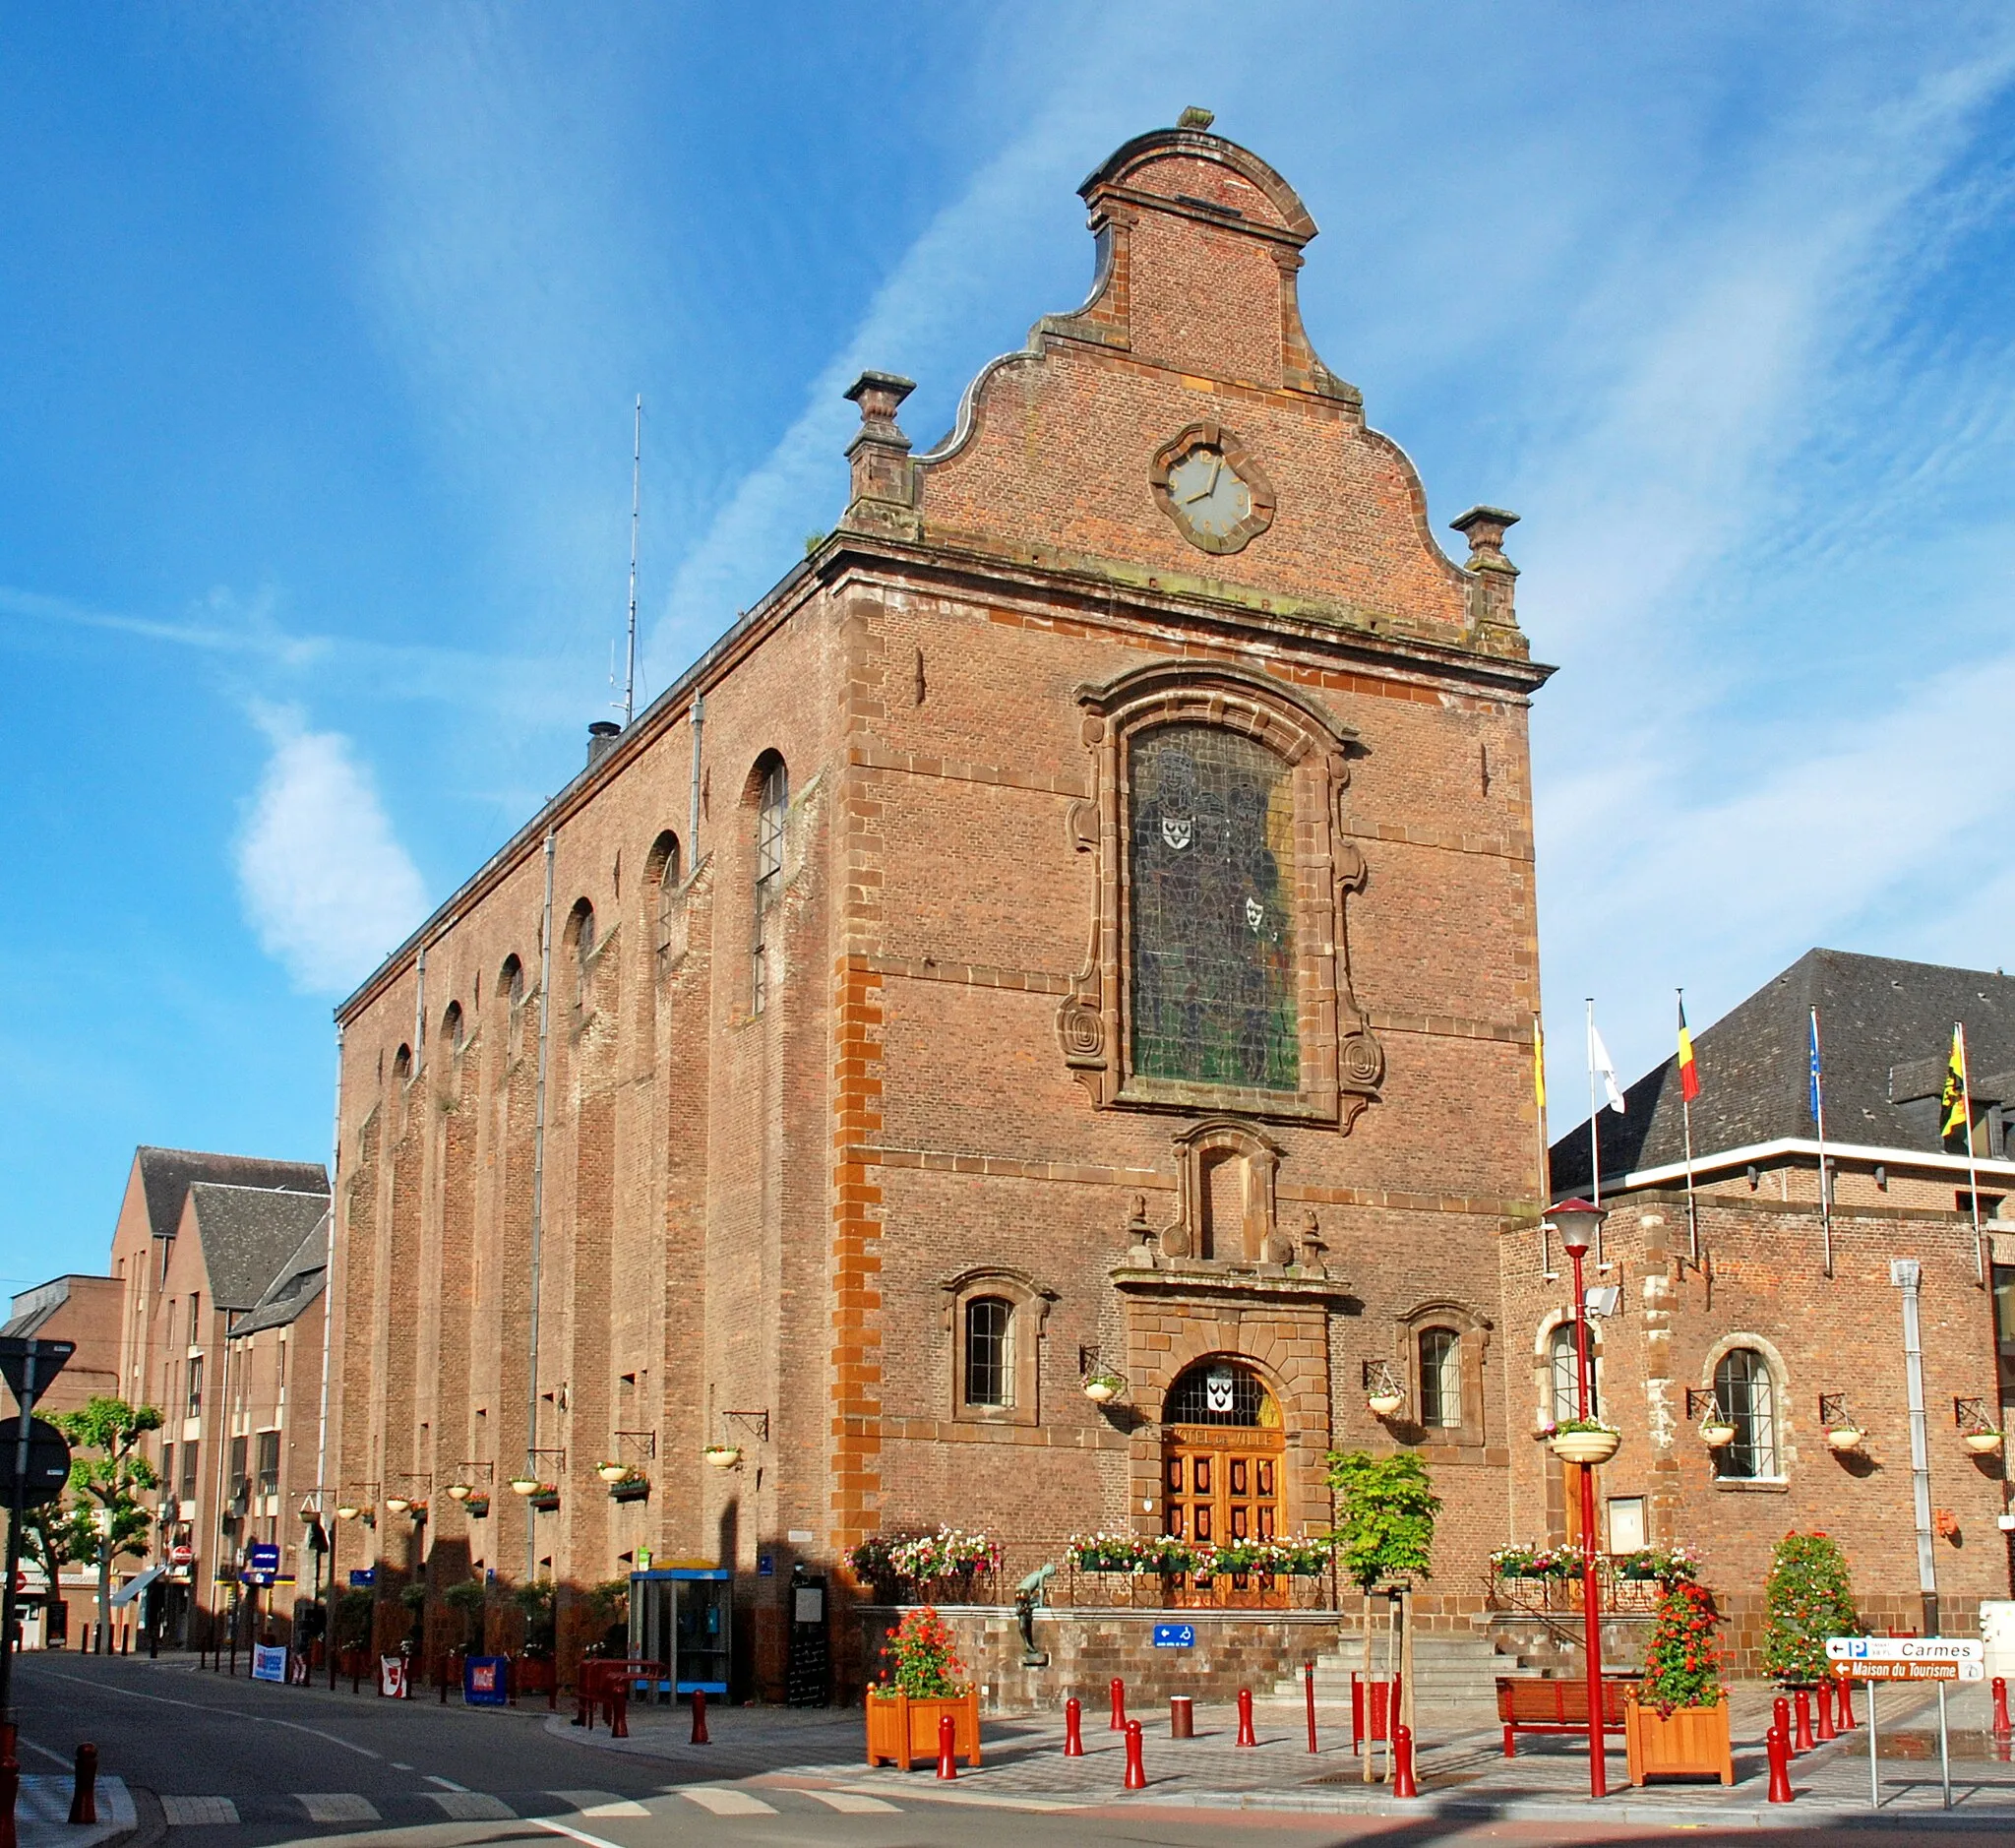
(1539, 1063)
(1953, 1124)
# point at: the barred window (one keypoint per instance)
(1219, 1393)
(989, 1351)
(1748, 1397)
(1440, 1376)
(1566, 1401)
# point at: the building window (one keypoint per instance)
(1220, 1392)
(1212, 885)
(2005, 1306)
(241, 1483)
(1566, 1401)
(772, 803)
(186, 1495)
(990, 1351)
(581, 933)
(453, 1029)
(267, 1464)
(1748, 1397)
(511, 986)
(661, 884)
(194, 1406)
(1440, 1366)
(168, 1472)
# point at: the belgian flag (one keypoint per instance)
(1955, 1113)
(1689, 1073)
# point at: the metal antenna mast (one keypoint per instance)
(635, 486)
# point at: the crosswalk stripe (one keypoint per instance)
(198, 1812)
(599, 1803)
(727, 1802)
(847, 1804)
(472, 1806)
(336, 1805)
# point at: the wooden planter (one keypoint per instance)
(901, 1729)
(1689, 1742)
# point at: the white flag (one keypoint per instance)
(1600, 1064)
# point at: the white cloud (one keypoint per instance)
(325, 884)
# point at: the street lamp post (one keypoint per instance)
(1577, 1221)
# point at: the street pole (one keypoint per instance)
(1591, 1597)
(17, 1512)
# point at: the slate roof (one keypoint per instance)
(165, 1175)
(1885, 1028)
(297, 1283)
(249, 1236)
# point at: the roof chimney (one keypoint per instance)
(601, 740)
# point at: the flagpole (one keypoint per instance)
(1819, 1121)
(1594, 1138)
(1980, 1264)
(1546, 1153)
(1686, 1119)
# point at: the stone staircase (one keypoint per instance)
(1450, 1671)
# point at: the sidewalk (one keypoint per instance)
(41, 1813)
(1462, 1772)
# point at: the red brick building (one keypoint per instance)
(1082, 918)
(1749, 1303)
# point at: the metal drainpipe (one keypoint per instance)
(538, 1195)
(697, 718)
(1906, 1275)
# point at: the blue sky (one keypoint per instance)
(320, 328)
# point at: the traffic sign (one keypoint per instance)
(261, 1556)
(1907, 1658)
(15, 1351)
(48, 1463)
(1175, 1635)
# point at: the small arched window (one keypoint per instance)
(1748, 1397)
(989, 1351)
(772, 806)
(1440, 1366)
(581, 936)
(453, 1029)
(1565, 1400)
(403, 1066)
(661, 875)
(511, 991)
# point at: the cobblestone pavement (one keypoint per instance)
(1462, 1768)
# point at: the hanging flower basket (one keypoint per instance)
(1104, 1385)
(613, 1472)
(722, 1455)
(1846, 1438)
(1983, 1443)
(1716, 1434)
(1384, 1404)
(1584, 1441)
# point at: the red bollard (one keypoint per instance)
(1119, 1693)
(619, 1710)
(10, 1788)
(1778, 1745)
(2001, 1703)
(1246, 1737)
(1309, 1685)
(1802, 1741)
(1842, 1711)
(1182, 1716)
(84, 1791)
(948, 1747)
(1403, 1784)
(1824, 1731)
(700, 1737)
(1073, 1728)
(1136, 1773)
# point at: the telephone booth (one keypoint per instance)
(683, 1615)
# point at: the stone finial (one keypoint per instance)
(1195, 118)
(884, 477)
(1484, 528)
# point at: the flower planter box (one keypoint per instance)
(1687, 1741)
(901, 1729)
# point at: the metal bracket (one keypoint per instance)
(1380, 1378)
(1971, 1415)
(1699, 1403)
(1833, 1412)
(636, 1446)
(755, 1422)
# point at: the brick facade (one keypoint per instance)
(758, 1227)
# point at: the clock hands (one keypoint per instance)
(1209, 487)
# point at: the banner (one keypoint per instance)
(392, 1677)
(268, 1662)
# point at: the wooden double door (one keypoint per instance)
(1222, 1483)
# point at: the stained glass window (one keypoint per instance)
(1211, 873)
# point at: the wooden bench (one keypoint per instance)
(1528, 1704)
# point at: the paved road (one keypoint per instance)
(223, 1764)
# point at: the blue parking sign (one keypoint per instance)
(1175, 1635)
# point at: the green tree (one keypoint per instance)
(106, 1468)
(1385, 1530)
(1807, 1597)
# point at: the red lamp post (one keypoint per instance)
(1576, 1221)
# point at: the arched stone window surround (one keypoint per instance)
(509, 994)
(1030, 1301)
(1341, 1063)
(664, 898)
(768, 799)
(1473, 1333)
(1197, 1151)
(1543, 1366)
(1780, 1402)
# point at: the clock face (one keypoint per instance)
(1209, 494)
(1209, 485)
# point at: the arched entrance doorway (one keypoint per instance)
(1222, 1467)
